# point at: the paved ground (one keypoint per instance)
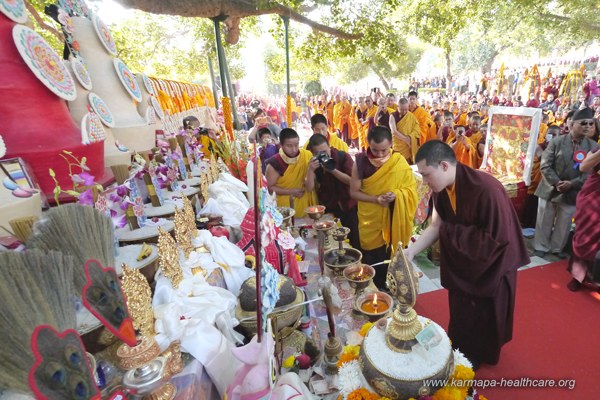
(430, 280)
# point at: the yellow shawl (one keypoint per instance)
(376, 228)
(294, 178)
(334, 141)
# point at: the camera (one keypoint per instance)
(326, 162)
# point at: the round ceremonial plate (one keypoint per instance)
(156, 105)
(14, 10)
(148, 234)
(147, 84)
(128, 255)
(100, 108)
(150, 116)
(92, 130)
(104, 35)
(164, 211)
(43, 61)
(81, 72)
(128, 79)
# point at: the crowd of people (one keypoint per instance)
(357, 163)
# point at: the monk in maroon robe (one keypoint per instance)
(481, 249)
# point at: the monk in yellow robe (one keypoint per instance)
(484, 112)
(353, 123)
(329, 110)
(464, 150)
(406, 131)
(341, 117)
(426, 124)
(206, 138)
(286, 171)
(543, 129)
(462, 117)
(371, 110)
(319, 126)
(391, 101)
(386, 190)
(476, 136)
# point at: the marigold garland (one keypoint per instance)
(363, 394)
(365, 329)
(227, 116)
(288, 109)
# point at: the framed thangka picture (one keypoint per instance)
(510, 143)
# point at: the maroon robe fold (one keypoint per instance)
(481, 249)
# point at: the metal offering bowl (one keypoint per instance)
(352, 276)
(340, 234)
(382, 298)
(324, 226)
(315, 212)
(337, 260)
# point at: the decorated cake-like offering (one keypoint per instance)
(402, 356)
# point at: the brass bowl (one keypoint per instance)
(340, 234)
(377, 314)
(324, 226)
(285, 318)
(315, 212)
(350, 274)
(351, 257)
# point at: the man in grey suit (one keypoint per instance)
(561, 182)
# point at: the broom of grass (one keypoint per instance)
(80, 231)
(36, 288)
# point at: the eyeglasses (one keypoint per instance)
(586, 123)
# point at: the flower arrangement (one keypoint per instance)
(85, 189)
(235, 156)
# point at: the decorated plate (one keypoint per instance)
(92, 130)
(14, 9)
(74, 7)
(147, 84)
(81, 73)
(101, 109)
(44, 62)
(150, 116)
(128, 79)
(157, 107)
(104, 35)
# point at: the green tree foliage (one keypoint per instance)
(313, 88)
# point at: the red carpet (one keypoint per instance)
(556, 337)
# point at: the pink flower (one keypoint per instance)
(83, 178)
(86, 198)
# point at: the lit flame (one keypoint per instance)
(360, 272)
(375, 300)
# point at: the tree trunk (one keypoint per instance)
(487, 65)
(448, 70)
(384, 82)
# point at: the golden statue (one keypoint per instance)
(214, 168)
(139, 300)
(182, 232)
(168, 258)
(204, 185)
(190, 217)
